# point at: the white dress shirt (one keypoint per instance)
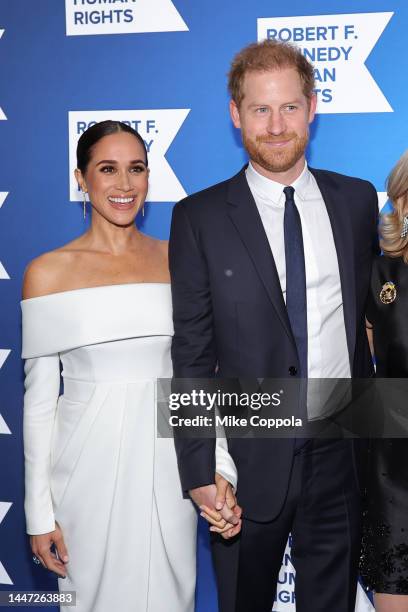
(327, 353)
(327, 343)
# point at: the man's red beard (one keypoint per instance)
(276, 159)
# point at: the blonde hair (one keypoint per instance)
(269, 55)
(391, 225)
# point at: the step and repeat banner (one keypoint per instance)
(161, 66)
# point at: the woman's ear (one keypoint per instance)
(80, 180)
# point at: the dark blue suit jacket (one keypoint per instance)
(230, 315)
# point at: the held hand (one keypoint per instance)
(215, 498)
(219, 525)
(204, 495)
(41, 547)
(230, 510)
(231, 502)
(226, 502)
(223, 513)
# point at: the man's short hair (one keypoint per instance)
(269, 55)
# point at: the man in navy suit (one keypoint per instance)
(270, 271)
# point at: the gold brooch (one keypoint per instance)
(388, 293)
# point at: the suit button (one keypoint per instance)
(292, 371)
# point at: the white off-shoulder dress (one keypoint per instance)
(93, 460)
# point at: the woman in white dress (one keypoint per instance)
(104, 505)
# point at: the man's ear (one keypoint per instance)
(312, 108)
(234, 112)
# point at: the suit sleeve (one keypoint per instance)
(42, 383)
(376, 244)
(370, 305)
(193, 347)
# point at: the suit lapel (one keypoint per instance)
(338, 211)
(245, 216)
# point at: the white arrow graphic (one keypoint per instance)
(2, 115)
(382, 200)
(3, 196)
(4, 353)
(3, 426)
(158, 128)
(3, 273)
(363, 604)
(337, 46)
(135, 16)
(4, 577)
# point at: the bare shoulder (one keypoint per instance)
(48, 273)
(43, 275)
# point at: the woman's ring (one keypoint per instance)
(36, 560)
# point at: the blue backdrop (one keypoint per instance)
(66, 63)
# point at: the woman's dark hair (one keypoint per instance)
(97, 131)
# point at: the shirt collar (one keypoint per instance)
(272, 190)
(302, 183)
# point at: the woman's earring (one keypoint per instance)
(84, 196)
(404, 231)
(143, 210)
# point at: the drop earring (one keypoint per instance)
(404, 231)
(84, 205)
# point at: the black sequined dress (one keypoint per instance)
(384, 561)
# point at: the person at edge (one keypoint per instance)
(237, 281)
(104, 507)
(384, 560)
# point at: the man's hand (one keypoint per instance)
(219, 507)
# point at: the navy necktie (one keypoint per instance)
(295, 278)
(296, 304)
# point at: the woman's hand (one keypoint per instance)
(41, 547)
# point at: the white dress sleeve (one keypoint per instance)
(42, 384)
